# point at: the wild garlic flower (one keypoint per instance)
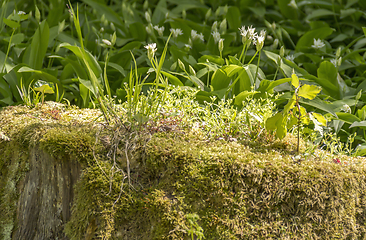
(290, 58)
(346, 108)
(248, 35)
(334, 61)
(195, 36)
(151, 49)
(318, 44)
(106, 42)
(160, 30)
(216, 36)
(176, 32)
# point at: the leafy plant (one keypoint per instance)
(294, 114)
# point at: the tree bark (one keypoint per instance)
(46, 195)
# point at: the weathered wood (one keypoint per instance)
(46, 195)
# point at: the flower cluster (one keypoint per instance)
(151, 49)
(195, 35)
(160, 30)
(176, 32)
(318, 44)
(249, 35)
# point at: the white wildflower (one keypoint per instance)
(151, 49)
(248, 35)
(195, 35)
(176, 32)
(290, 58)
(334, 61)
(106, 42)
(346, 108)
(216, 35)
(21, 13)
(318, 44)
(160, 30)
(292, 4)
(259, 41)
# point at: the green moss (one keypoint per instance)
(239, 190)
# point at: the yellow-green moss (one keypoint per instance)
(239, 190)
(238, 193)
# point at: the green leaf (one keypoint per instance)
(88, 84)
(290, 105)
(318, 13)
(219, 80)
(242, 96)
(320, 118)
(308, 91)
(11, 23)
(36, 51)
(173, 79)
(347, 117)
(361, 124)
(233, 18)
(295, 80)
(45, 88)
(307, 39)
(271, 122)
(319, 104)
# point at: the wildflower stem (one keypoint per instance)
(251, 60)
(256, 72)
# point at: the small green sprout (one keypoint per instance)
(294, 114)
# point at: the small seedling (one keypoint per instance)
(294, 114)
(44, 89)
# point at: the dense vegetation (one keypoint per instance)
(96, 55)
(181, 90)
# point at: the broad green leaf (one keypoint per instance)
(173, 79)
(268, 86)
(318, 13)
(45, 88)
(308, 38)
(347, 117)
(242, 96)
(295, 80)
(219, 80)
(231, 69)
(328, 71)
(317, 125)
(320, 118)
(281, 127)
(308, 91)
(233, 18)
(361, 150)
(290, 105)
(288, 11)
(293, 121)
(36, 51)
(361, 124)
(88, 84)
(271, 122)
(86, 58)
(11, 23)
(319, 104)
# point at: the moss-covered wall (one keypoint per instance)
(182, 186)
